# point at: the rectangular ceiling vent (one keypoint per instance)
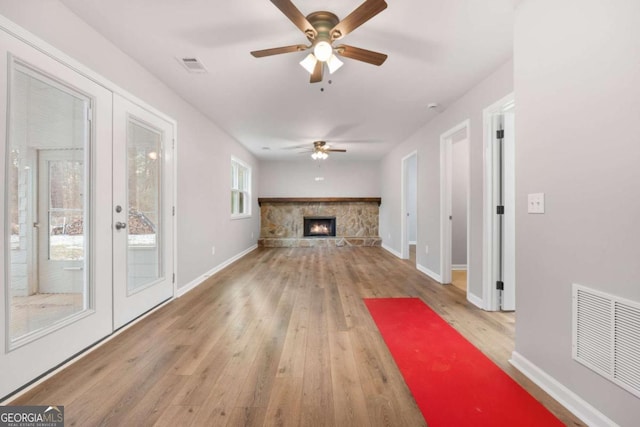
(606, 336)
(193, 65)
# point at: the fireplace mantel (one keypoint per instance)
(262, 200)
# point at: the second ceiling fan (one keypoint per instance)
(321, 150)
(322, 29)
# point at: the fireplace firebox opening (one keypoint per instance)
(319, 226)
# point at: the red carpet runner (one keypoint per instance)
(453, 383)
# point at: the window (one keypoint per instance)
(240, 189)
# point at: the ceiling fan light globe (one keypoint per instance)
(309, 63)
(334, 64)
(319, 155)
(323, 51)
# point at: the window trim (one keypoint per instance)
(247, 191)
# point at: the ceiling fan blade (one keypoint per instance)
(279, 50)
(360, 54)
(295, 16)
(317, 72)
(362, 14)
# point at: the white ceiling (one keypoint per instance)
(438, 50)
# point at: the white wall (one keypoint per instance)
(427, 142)
(204, 150)
(577, 86)
(341, 178)
(460, 187)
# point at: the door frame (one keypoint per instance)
(404, 228)
(490, 233)
(446, 190)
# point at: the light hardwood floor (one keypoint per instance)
(459, 279)
(281, 337)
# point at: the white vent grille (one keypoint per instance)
(606, 336)
(193, 65)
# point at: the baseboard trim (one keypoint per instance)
(429, 273)
(391, 250)
(475, 300)
(567, 398)
(459, 267)
(199, 280)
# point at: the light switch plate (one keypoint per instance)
(535, 203)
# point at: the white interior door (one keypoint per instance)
(499, 193)
(509, 221)
(143, 209)
(57, 266)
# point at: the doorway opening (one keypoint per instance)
(409, 203)
(459, 209)
(454, 204)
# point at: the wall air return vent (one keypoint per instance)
(193, 65)
(606, 336)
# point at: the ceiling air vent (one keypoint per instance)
(193, 65)
(606, 336)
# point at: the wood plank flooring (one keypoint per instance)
(281, 337)
(459, 279)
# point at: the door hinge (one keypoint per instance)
(500, 285)
(500, 210)
(173, 280)
(173, 143)
(89, 114)
(173, 211)
(500, 134)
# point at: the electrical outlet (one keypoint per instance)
(389, 235)
(535, 203)
(252, 234)
(213, 250)
(426, 249)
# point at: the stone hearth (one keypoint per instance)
(281, 221)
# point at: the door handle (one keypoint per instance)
(121, 225)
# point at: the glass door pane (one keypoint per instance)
(142, 211)
(57, 257)
(48, 190)
(144, 240)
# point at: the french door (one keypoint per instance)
(143, 237)
(88, 227)
(57, 273)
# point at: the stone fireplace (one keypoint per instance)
(288, 222)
